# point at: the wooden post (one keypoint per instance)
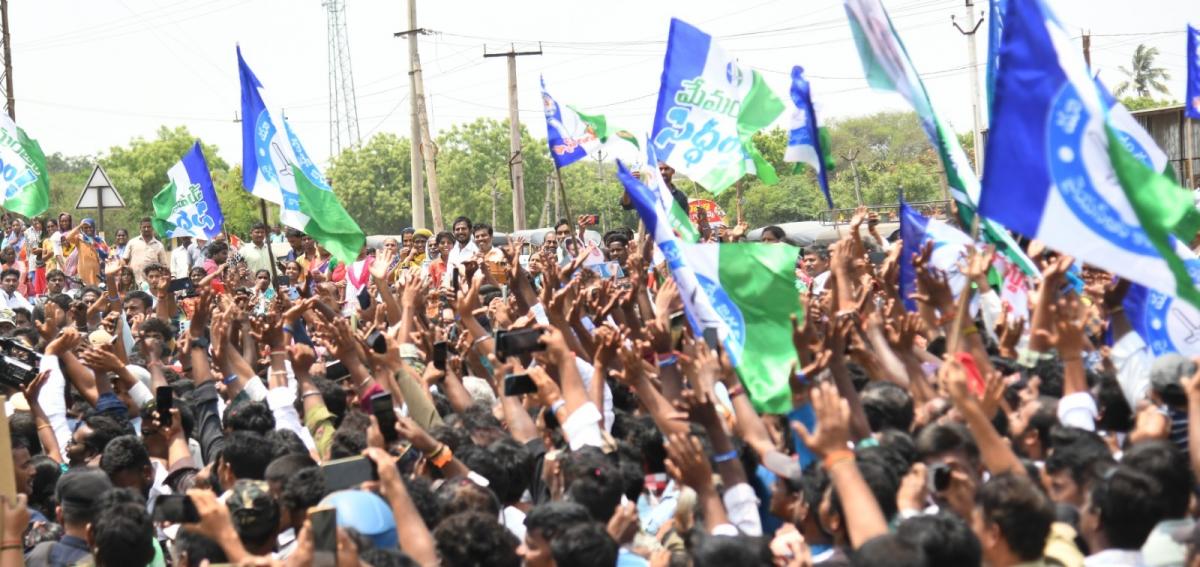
(562, 195)
(262, 207)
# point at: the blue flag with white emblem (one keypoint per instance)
(805, 145)
(1065, 167)
(949, 248)
(188, 205)
(1193, 73)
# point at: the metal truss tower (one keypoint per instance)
(343, 108)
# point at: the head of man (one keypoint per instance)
(617, 246)
(1012, 519)
(76, 493)
(952, 447)
(816, 260)
(420, 240)
(126, 461)
(462, 230)
(147, 229)
(667, 172)
(295, 239)
(258, 233)
(562, 229)
(1121, 509)
(218, 252)
(22, 462)
(255, 515)
(543, 524)
(121, 533)
(56, 280)
(483, 237)
(9, 279)
(406, 236)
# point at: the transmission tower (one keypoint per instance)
(343, 109)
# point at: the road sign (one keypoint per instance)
(99, 192)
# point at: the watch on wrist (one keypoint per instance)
(200, 342)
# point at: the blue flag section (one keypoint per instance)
(188, 205)
(949, 247)
(996, 10)
(565, 133)
(804, 138)
(1193, 73)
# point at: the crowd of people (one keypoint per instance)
(453, 402)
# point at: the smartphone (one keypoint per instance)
(591, 220)
(454, 279)
(282, 280)
(364, 299)
(517, 384)
(384, 411)
(324, 535)
(341, 474)
(180, 284)
(377, 341)
(516, 343)
(164, 400)
(678, 319)
(938, 477)
(440, 351)
(175, 508)
(711, 338)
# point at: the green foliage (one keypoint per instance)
(1143, 75)
(1143, 103)
(241, 209)
(373, 183)
(472, 158)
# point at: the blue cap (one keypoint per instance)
(367, 513)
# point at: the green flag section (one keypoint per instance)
(887, 66)
(752, 287)
(328, 222)
(23, 174)
(1163, 208)
(616, 143)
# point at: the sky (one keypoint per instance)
(91, 74)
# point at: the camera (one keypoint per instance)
(18, 363)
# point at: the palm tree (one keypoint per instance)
(1145, 75)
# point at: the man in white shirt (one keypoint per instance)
(181, 257)
(145, 250)
(464, 248)
(816, 264)
(255, 252)
(9, 296)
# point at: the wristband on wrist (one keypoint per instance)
(725, 457)
(737, 390)
(667, 360)
(837, 457)
(968, 329)
(229, 379)
(442, 457)
(554, 407)
(288, 329)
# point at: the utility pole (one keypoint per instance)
(1087, 48)
(973, 62)
(417, 175)
(495, 201)
(852, 157)
(9, 100)
(516, 162)
(421, 135)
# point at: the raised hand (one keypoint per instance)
(833, 422)
(687, 463)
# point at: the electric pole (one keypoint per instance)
(421, 135)
(515, 161)
(1087, 48)
(417, 175)
(9, 100)
(852, 158)
(973, 62)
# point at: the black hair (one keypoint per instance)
(285, 442)
(10, 271)
(248, 454)
(887, 406)
(899, 443)
(945, 538)
(333, 396)
(515, 464)
(444, 235)
(122, 530)
(22, 427)
(1021, 510)
(380, 557)
(819, 250)
(216, 247)
(350, 439)
(1129, 503)
(284, 467)
(461, 495)
(303, 490)
(143, 297)
(154, 266)
(249, 416)
(1168, 465)
(483, 226)
(1044, 419)
(889, 549)
(472, 539)
(585, 545)
(125, 453)
(157, 325)
(616, 236)
(420, 491)
(723, 551)
(461, 219)
(561, 222)
(884, 484)
(104, 429)
(261, 225)
(551, 518)
(484, 463)
(1115, 413)
(46, 472)
(1077, 451)
(197, 548)
(772, 229)
(947, 438)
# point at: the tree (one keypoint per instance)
(373, 182)
(1143, 75)
(139, 171)
(472, 158)
(1144, 103)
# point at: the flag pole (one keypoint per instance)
(562, 193)
(262, 207)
